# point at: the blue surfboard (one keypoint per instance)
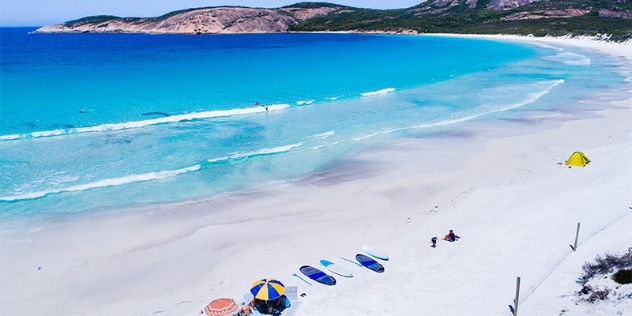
(370, 263)
(317, 275)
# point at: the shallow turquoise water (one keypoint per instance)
(99, 121)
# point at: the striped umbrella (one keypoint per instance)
(221, 307)
(267, 289)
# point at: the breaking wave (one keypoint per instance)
(103, 183)
(240, 157)
(571, 59)
(485, 109)
(235, 158)
(145, 123)
(322, 135)
(378, 92)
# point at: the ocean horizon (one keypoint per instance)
(92, 122)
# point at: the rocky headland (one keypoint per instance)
(217, 20)
(535, 17)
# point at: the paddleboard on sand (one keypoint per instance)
(370, 263)
(317, 275)
(374, 252)
(339, 270)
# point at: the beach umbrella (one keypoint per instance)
(221, 307)
(267, 289)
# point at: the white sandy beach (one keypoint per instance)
(502, 191)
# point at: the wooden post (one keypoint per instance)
(517, 296)
(576, 237)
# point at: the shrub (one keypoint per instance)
(623, 276)
(598, 296)
(604, 265)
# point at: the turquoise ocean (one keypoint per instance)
(95, 122)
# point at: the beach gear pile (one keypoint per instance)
(271, 297)
(361, 260)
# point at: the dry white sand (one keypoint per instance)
(502, 191)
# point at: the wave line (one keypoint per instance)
(103, 183)
(263, 152)
(145, 123)
(378, 92)
(532, 98)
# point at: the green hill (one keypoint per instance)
(609, 19)
(555, 18)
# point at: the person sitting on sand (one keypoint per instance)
(259, 305)
(451, 236)
(279, 305)
(245, 310)
(271, 307)
(433, 240)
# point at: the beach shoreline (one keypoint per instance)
(612, 48)
(174, 259)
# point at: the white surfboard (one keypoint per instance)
(374, 252)
(339, 270)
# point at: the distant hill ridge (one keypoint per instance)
(609, 18)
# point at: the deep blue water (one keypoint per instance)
(98, 121)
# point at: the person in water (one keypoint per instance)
(451, 236)
(264, 106)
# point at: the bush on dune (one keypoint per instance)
(609, 264)
(605, 265)
(623, 276)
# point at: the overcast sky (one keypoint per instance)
(44, 12)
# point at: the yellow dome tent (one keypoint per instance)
(577, 159)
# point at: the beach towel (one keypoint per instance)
(291, 292)
(292, 309)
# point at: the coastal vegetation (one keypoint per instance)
(605, 265)
(554, 18)
(623, 276)
(608, 19)
(612, 266)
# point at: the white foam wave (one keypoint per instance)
(386, 131)
(261, 152)
(532, 97)
(145, 123)
(322, 135)
(9, 137)
(56, 132)
(569, 58)
(378, 92)
(307, 102)
(326, 145)
(559, 49)
(547, 86)
(104, 183)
